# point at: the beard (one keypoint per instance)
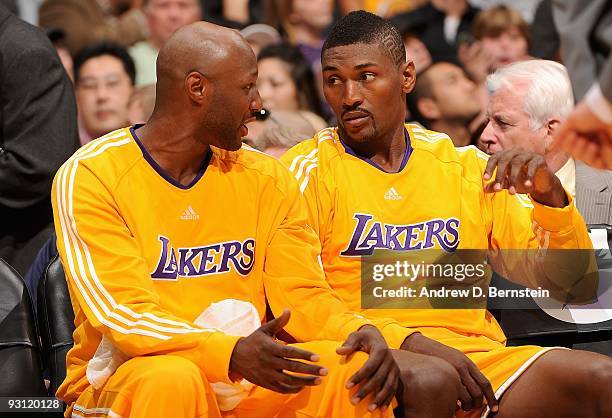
(365, 135)
(225, 131)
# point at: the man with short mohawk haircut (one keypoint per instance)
(375, 183)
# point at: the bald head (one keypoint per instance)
(206, 84)
(203, 47)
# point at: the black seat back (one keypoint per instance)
(56, 320)
(20, 361)
(532, 325)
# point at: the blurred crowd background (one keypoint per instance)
(109, 47)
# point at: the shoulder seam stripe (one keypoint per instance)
(306, 177)
(298, 157)
(68, 225)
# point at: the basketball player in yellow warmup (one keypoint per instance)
(374, 183)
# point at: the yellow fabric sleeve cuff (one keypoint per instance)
(395, 334)
(555, 219)
(218, 349)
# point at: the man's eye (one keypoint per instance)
(367, 76)
(503, 125)
(333, 80)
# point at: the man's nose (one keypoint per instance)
(488, 135)
(352, 94)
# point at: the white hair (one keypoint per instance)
(549, 94)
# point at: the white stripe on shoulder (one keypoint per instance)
(250, 148)
(432, 134)
(79, 258)
(301, 159)
(297, 159)
(478, 152)
(325, 134)
(307, 177)
(431, 138)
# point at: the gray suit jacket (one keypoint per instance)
(585, 33)
(594, 194)
(38, 132)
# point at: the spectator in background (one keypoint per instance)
(383, 8)
(87, 21)
(164, 18)
(286, 128)
(38, 132)
(529, 101)
(586, 44)
(235, 14)
(443, 21)
(57, 36)
(417, 52)
(104, 78)
(412, 28)
(285, 80)
(260, 36)
(445, 100)
(503, 38)
(544, 42)
(141, 104)
(304, 22)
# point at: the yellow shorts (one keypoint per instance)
(173, 387)
(153, 386)
(500, 364)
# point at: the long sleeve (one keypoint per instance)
(108, 277)
(293, 278)
(536, 245)
(308, 217)
(39, 128)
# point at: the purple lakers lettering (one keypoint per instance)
(201, 261)
(370, 235)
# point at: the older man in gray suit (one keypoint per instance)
(529, 101)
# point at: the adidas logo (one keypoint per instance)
(190, 214)
(392, 194)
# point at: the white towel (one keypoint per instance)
(104, 363)
(231, 316)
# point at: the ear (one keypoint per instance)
(552, 126)
(428, 108)
(408, 76)
(197, 87)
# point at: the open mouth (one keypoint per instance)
(244, 131)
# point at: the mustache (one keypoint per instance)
(353, 109)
